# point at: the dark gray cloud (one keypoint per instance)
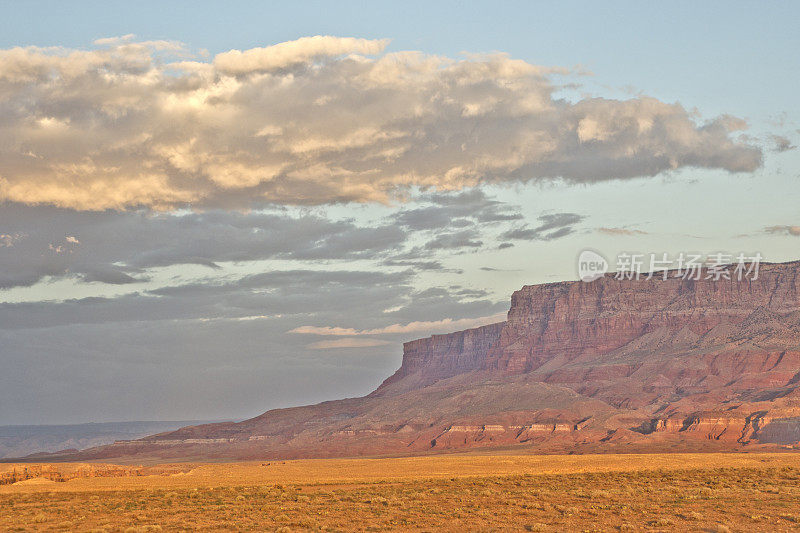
(285, 292)
(456, 210)
(452, 223)
(455, 240)
(437, 266)
(552, 226)
(492, 269)
(468, 292)
(118, 247)
(121, 247)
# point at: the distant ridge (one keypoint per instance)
(18, 440)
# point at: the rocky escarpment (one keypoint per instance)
(554, 324)
(557, 323)
(442, 356)
(610, 365)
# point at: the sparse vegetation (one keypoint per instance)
(760, 498)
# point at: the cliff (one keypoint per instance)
(443, 356)
(553, 324)
(611, 365)
(560, 322)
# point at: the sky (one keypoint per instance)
(209, 212)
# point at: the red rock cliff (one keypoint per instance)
(552, 324)
(559, 322)
(442, 356)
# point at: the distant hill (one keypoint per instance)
(16, 441)
(609, 365)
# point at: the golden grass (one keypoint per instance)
(680, 492)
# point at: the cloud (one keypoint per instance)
(452, 223)
(781, 143)
(784, 230)
(120, 247)
(347, 343)
(621, 231)
(553, 226)
(492, 269)
(285, 293)
(124, 247)
(381, 302)
(433, 266)
(412, 327)
(466, 208)
(455, 240)
(318, 120)
(293, 53)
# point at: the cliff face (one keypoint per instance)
(443, 356)
(557, 323)
(690, 357)
(611, 365)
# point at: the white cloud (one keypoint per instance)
(347, 342)
(316, 120)
(412, 327)
(288, 54)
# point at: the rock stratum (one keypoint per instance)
(611, 365)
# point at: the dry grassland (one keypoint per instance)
(670, 492)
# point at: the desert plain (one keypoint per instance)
(454, 492)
